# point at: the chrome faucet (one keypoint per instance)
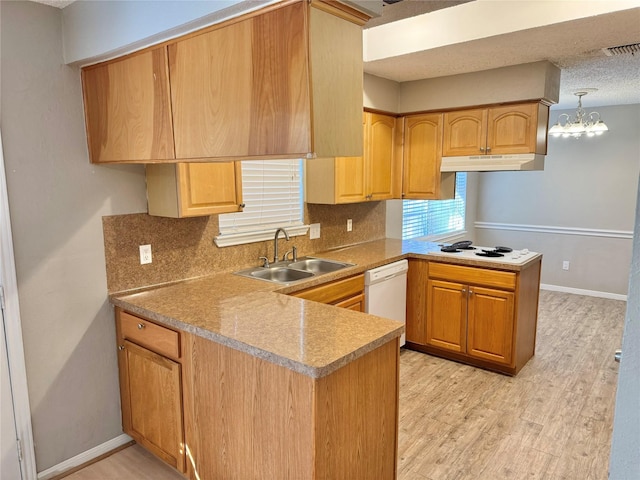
(275, 242)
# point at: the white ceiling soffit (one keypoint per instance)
(55, 3)
(488, 34)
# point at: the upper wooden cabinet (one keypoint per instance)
(128, 109)
(240, 89)
(381, 153)
(421, 158)
(358, 179)
(509, 129)
(194, 189)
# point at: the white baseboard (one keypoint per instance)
(580, 291)
(84, 457)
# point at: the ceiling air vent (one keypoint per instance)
(632, 48)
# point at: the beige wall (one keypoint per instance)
(57, 200)
(529, 81)
(380, 93)
(588, 184)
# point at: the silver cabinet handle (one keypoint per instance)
(464, 290)
(141, 326)
(470, 292)
(617, 356)
(120, 347)
(482, 149)
(488, 149)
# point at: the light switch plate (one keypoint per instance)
(314, 231)
(145, 254)
(349, 225)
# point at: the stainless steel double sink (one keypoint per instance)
(289, 272)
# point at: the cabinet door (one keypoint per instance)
(192, 189)
(464, 133)
(379, 155)
(421, 157)
(447, 315)
(490, 325)
(209, 188)
(242, 90)
(154, 401)
(350, 179)
(417, 301)
(127, 109)
(512, 129)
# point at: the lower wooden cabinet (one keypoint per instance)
(214, 412)
(151, 389)
(259, 420)
(485, 317)
(345, 293)
(468, 319)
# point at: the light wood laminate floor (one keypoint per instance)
(553, 421)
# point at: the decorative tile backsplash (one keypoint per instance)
(184, 248)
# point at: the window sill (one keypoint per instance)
(445, 237)
(242, 238)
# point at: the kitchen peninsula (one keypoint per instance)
(267, 382)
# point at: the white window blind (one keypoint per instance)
(272, 194)
(431, 218)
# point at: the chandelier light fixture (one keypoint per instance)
(581, 124)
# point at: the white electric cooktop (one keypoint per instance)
(515, 257)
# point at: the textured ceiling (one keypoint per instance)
(575, 47)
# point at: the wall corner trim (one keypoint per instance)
(84, 457)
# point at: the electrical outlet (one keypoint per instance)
(314, 231)
(349, 225)
(145, 254)
(565, 265)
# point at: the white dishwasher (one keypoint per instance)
(385, 292)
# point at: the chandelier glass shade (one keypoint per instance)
(580, 124)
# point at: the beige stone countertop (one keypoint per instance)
(257, 317)
(380, 252)
(308, 337)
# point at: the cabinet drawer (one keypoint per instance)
(353, 303)
(472, 275)
(143, 332)
(333, 292)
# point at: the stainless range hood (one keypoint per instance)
(493, 163)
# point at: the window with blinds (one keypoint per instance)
(435, 218)
(272, 194)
